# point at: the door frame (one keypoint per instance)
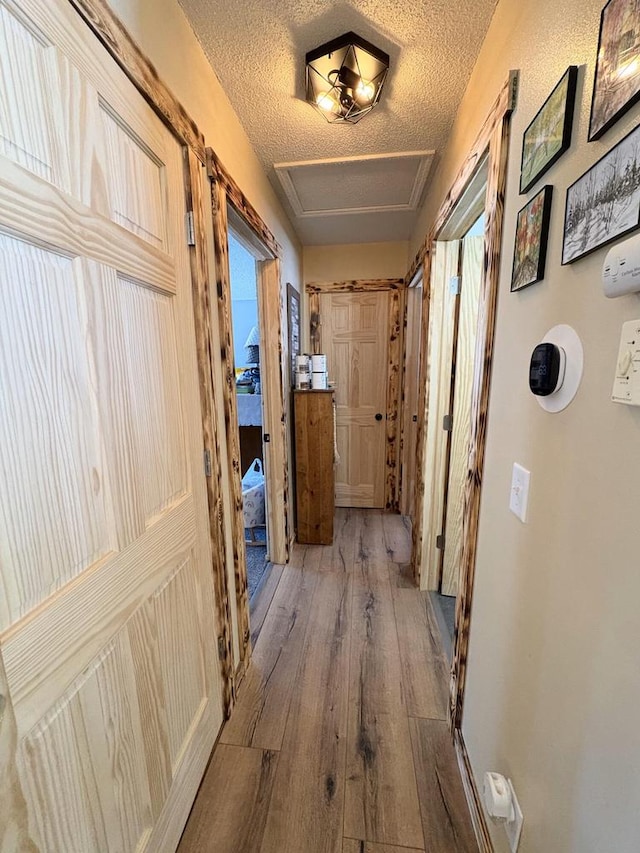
(111, 32)
(228, 201)
(405, 413)
(396, 288)
(491, 142)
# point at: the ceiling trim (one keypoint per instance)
(286, 173)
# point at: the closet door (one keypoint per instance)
(108, 673)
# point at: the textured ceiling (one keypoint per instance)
(257, 49)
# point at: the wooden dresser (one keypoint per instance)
(315, 486)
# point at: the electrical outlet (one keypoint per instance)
(513, 828)
(519, 496)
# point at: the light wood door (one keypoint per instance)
(442, 313)
(111, 697)
(471, 280)
(355, 337)
(410, 405)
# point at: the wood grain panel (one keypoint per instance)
(410, 396)
(394, 376)
(381, 802)
(446, 822)
(307, 800)
(260, 715)
(361, 285)
(90, 743)
(315, 481)
(425, 671)
(397, 537)
(179, 652)
(262, 598)
(209, 393)
(14, 818)
(223, 289)
(45, 652)
(111, 32)
(135, 181)
(472, 794)
(350, 845)
(274, 361)
(441, 339)
(54, 526)
(241, 203)
(232, 802)
(48, 217)
(472, 268)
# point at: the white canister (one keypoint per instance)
(319, 381)
(319, 363)
(302, 363)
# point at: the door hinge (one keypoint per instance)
(454, 285)
(222, 648)
(207, 463)
(266, 437)
(191, 230)
(514, 80)
(447, 423)
(440, 542)
(415, 419)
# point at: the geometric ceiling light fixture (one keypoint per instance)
(345, 77)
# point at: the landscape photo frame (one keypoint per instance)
(532, 234)
(616, 83)
(548, 136)
(604, 203)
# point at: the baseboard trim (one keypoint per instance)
(472, 794)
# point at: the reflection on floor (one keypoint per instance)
(444, 607)
(256, 558)
(338, 742)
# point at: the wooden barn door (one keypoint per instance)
(108, 671)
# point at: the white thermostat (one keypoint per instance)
(626, 385)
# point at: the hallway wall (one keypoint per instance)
(553, 686)
(164, 34)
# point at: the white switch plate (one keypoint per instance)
(513, 828)
(519, 497)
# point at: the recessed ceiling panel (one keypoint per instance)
(375, 183)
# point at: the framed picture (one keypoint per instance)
(605, 202)
(549, 134)
(532, 232)
(616, 86)
(293, 320)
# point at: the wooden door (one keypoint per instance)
(471, 280)
(410, 406)
(442, 315)
(111, 696)
(355, 337)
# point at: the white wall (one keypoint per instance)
(554, 682)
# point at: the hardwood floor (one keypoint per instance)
(339, 741)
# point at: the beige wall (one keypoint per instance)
(360, 260)
(165, 36)
(554, 682)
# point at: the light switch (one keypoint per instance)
(519, 491)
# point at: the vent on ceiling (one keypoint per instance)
(375, 183)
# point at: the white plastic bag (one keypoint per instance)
(254, 475)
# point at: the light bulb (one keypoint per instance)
(326, 101)
(365, 91)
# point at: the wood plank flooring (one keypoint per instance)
(339, 742)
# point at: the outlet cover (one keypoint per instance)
(519, 496)
(513, 828)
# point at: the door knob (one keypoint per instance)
(378, 417)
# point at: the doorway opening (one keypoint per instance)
(249, 399)
(465, 253)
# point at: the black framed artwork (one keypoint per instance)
(604, 204)
(549, 134)
(532, 234)
(616, 85)
(293, 322)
